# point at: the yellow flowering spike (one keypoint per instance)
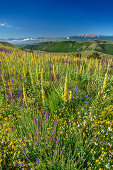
(65, 96)
(24, 94)
(43, 96)
(70, 96)
(105, 82)
(24, 73)
(54, 72)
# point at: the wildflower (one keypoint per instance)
(53, 130)
(70, 96)
(86, 102)
(51, 139)
(7, 86)
(51, 162)
(57, 141)
(47, 115)
(21, 95)
(42, 114)
(47, 141)
(25, 153)
(37, 143)
(110, 129)
(37, 161)
(23, 141)
(55, 122)
(62, 150)
(35, 120)
(12, 129)
(107, 166)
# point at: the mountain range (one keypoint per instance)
(80, 37)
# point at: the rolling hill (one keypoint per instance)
(73, 46)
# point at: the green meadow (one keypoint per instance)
(56, 111)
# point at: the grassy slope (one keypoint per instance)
(74, 46)
(6, 44)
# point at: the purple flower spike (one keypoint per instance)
(47, 115)
(12, 81)
(53, 130)
(55, 122)
(25, 153)
(12, 129)
(23, 141)
(57, 141)
(51, 140)
(47, 141)
(37, 143)
(37, 161)
(21, 95)
(42, 114)
(7, 86)
(51, 162)
(35, 120)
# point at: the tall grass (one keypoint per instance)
(56, 111)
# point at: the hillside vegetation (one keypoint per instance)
(73, 46)
(56, 111)
(6, 44)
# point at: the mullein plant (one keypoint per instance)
(65, 95)
(24, 95)
(43, 93)
(31, 75)
(102, 93)
(24, 73)
(54, 72)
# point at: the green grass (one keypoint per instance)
(56, 134)
(105, 47)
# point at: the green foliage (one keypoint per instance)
(94, 55)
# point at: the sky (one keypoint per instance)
(54, 18)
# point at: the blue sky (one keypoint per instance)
(34, 18)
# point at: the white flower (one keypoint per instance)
(110, 129)
(107, 166)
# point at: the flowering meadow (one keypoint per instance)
(56, 111)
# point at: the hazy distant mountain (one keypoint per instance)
(30, 40)
(81, 37)
(89, 37)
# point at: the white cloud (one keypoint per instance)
(5, 25)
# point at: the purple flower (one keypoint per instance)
(86, 102)
(42, 114)
(57, 141)
(19, 77)
(55, 122)
(12, 81)
(35, 120)
(17, 88)
(18, 164)
(21, 95)
(47, 115)
(51, 162)
(53, 130)
(37, 161)
(84, 91)
(12, 129)
(62, 150)
(47, 141)
(23, 141)
(51, 140)
(25, 153)
(37, 143)
(7, 86)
